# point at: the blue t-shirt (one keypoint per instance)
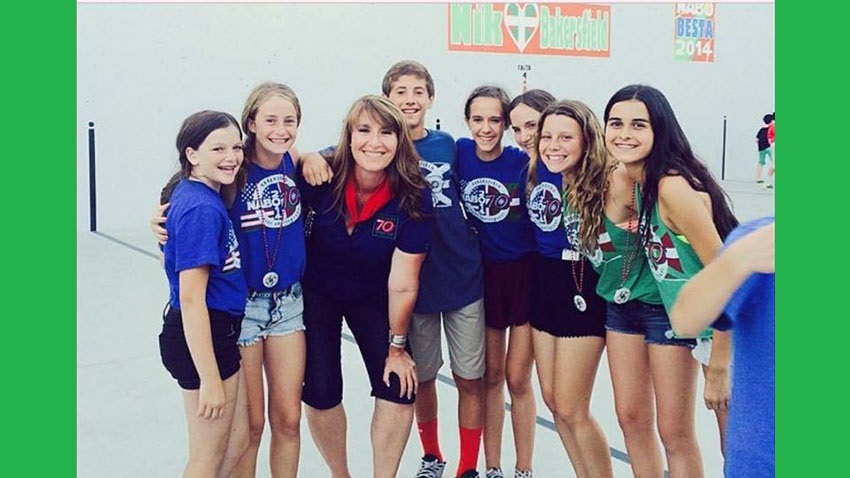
(492, 194)
(269, 224)
(751, 314)
(200, 234)
(357, 266)
(452, 273)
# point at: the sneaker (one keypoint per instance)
(759, 181)
(522, 474)
(768, 186)
(494, 473)
(469, 474)
(430, 467)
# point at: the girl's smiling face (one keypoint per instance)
(628, 132)
(561, 145)
(524, 120)
(487, 126)
(275, 126)
(218, 158)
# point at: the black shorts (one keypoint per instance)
(175, 354)
(368, 320)
(506, 292)
(553, 291)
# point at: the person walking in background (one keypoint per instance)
(765, 148)
(771, 137)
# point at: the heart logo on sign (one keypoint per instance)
(522, 23)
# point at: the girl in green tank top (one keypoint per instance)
(659, 172)
(688, 217)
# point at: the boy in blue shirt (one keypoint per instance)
(450, 282)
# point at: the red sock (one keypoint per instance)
(470, 441)
(429, 438)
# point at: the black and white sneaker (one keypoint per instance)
(469, 474)
(430, 467)
(494, 473)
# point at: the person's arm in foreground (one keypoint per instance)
(702, 299)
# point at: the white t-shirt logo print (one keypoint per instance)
(436, 176)
(277, 194)
(544, 206)
(488, 200)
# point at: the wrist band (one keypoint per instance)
(399, 341)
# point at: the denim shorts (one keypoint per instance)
(272, 313)
(639, 318)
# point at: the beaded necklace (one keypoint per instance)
(271, 277)
(578, 279)
(578, 300)
(622, 294)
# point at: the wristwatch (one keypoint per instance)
(398, 341)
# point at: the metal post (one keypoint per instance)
(723, 164)
(92, 182)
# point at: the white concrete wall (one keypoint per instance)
(142, 68)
